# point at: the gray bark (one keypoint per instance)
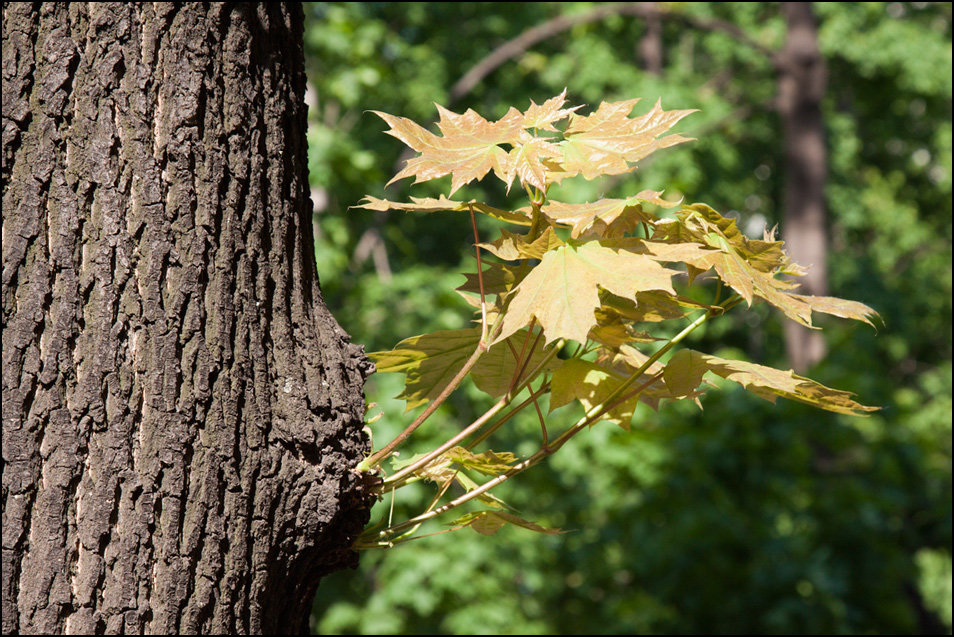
(180, 411)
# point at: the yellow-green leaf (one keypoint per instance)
(443, 204)
(684, 372)
(840, 307)
(608, 141)
(768, 383)
(489, 522)
(431, 361)
(591, 384)
(562, 291)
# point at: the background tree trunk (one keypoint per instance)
(650, 47)
(802, 82)
(180, 411)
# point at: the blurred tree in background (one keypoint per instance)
(748, 517)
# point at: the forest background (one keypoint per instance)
(747, 517)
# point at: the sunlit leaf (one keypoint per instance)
(591, 384)
(468, 148)
(527, 161)
(442, 204)
(562, 290)
(542, 117)
(511, 247)
(840, 307)
(608, 141)
(769, 383)
(607, 211)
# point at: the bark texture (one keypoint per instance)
(180, 411)
(802, 82)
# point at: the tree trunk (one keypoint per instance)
(180, 411)
(802, 83)
(650, 47)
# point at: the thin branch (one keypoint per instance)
(480, 277)
(534, 35)
(469, 429)
(385, 451)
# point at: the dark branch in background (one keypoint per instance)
(545, 30)
(512, 48)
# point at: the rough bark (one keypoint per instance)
(802, 82)
(180, 411)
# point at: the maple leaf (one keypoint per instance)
(511, 247)
(627, 359)
(608, 141)
(769, 383)
(527, 160)
(468, 149)
(703, 239)
(489, 522)
(613, 332)
(498, 278)
(430, 361)
(591, 384)
(443, 204)
(542, 117)
(606, 212)
(839, 307)
(684, 372)
(650, 307)
(562, 290)
(490, 463)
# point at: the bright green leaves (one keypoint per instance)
(562, 291)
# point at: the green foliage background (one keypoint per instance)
(747, 517)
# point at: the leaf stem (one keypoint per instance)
(510, 414)
(424, 461)
(376, 458)
(595, 412)
(474, 426)
(480, 276)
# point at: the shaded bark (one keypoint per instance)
(802, 82)
(180, 411)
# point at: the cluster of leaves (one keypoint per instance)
(568, 301)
